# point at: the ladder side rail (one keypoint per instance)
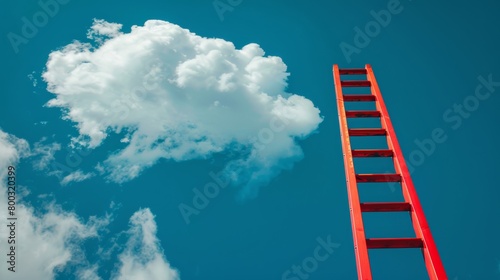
(432, 259)
(358, 231)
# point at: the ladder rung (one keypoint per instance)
(385, 206)
(352, 71)
(359, 97)
(355, 83)
(381, 243)
(367, 132)
(372, 153)
(377, 178)
(362, 114)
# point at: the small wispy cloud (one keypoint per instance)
(41, 123)
(89, 273)
(44, 154)
(32, 78)
(76, 176)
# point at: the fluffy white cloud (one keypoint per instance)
(180, 96)
(76, 176)
(143, 257)
(50, 239)
(101, 30)
(45, 240)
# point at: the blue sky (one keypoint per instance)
(284, 200)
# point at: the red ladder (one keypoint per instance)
(411, 203)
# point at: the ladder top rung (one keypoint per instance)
(352, 71)
(354, 83)
(381, 243)
(377, 178)
(359, 97)
(367, 132)
(372, 153)
(385, 206)
(362, 114)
